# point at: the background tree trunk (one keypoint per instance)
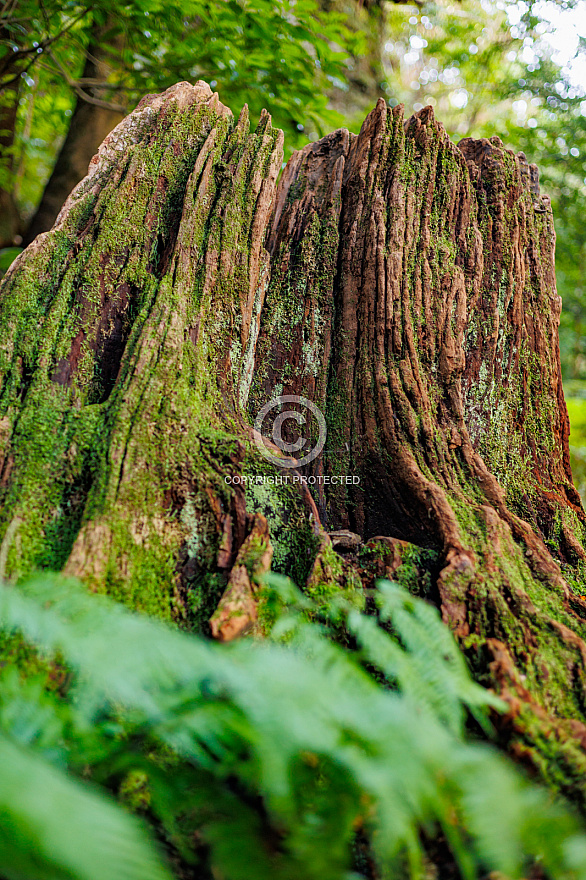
(402, 284)
(10, 222)
(90, 124)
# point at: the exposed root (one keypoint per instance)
(236, 613)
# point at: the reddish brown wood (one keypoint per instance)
(403, 284)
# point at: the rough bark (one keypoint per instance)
(404, 285)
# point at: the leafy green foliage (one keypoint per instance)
(272, 753)
(423, 659)
(279, 56)
(405, 644)
(7, 257)
(54, 827)
(576, 403)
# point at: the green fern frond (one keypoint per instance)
(302, 731)
(55, 828)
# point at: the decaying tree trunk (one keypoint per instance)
(403, 285)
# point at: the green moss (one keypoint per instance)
(204, 591)
(511, 602)
(325, 581)
(292, 535)
(130, 450)
(29, 662)
(415, 571)
(134, 792)
(558, 759)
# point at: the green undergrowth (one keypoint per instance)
(415, 571)
(577, 413)
(225, 748)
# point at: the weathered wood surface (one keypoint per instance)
(404, 285)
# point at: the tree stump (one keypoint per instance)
(403, 286)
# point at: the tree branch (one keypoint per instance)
(34, 51)
(89, 99)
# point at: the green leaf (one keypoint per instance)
(55, 828)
